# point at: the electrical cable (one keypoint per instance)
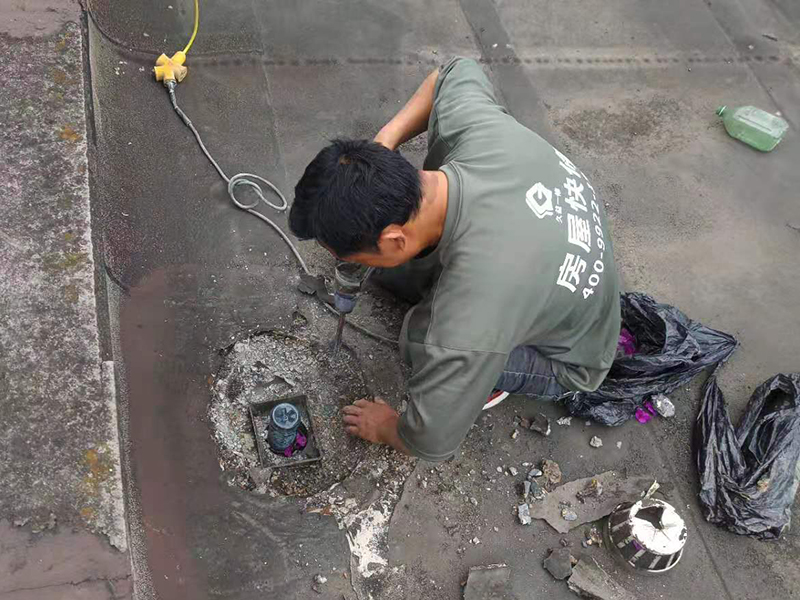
(196, 26)
(250, 180)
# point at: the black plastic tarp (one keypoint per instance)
(670, 350)
(749, 474)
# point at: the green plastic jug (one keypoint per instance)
(753, 126)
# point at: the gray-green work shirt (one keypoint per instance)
(525, 259)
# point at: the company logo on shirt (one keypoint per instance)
(540, 200)
(575, 199)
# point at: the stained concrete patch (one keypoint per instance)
(65, 565)
(652, 125)
(24, 18)
(59, 438)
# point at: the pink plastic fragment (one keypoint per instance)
(643, 415)
(300, 442)
(626, 344)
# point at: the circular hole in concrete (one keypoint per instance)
(275, 365)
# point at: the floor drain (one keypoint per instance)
(299, 453)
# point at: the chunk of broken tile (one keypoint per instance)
(536, 492)
(489, 582)
(540, 423)
(559, 563)
(551, 471)
(616, 489)
(593, 489)
(663, 405)
(524, 514)
(568, 514)
(589, 580)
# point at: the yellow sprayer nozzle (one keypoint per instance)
(171, 69)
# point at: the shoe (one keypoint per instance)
(495, 398)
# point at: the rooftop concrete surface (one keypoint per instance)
(62, 522)
(628, 90)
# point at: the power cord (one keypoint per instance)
(251, 180)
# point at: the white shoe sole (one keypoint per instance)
(495, 401)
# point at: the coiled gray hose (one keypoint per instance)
(251, 180)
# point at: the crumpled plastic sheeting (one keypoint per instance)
(749, 475)
(670, 350)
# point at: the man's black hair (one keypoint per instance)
(350, 192)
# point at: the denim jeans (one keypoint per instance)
(530, 373)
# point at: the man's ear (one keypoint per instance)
(393, 239)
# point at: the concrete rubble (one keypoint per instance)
(524, 514)
(551, 472)
(589, 580)
(490, 582)
(559, 563)
(541, 424)
(615, 489)
(663, 405)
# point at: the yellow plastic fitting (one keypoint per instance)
(171, 69)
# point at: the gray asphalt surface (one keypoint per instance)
(627, 89)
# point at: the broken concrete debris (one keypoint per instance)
(540, 423)
(663, 405)
(524, 514)
(589, 580)
(319, 581)
(512, 471)
(593, 538)
(619, 444)
(616, 489)
(475, 540)
(593, 489)
(596, 442)
(514, 434)
(534, 473)
(565, 421)
(537, 492)
(489, 582)
(568, 514)
(559, 563)
(551, 471)
(526, 489)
